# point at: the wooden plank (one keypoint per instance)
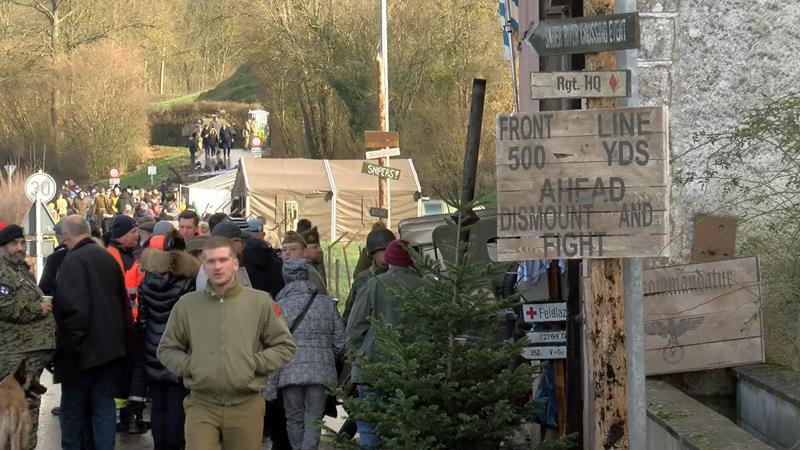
(547, 337)
(581, 247)
(598, 83)
(382, 153)
(574, 220)
(694, 310)
(584, 34)
(571, 149)
(638, 121)
(605, 200)
(374, 140)
(545, 352)
(380, 171)
(713, 355)
(650, 175)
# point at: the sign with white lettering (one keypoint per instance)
(584, 34)
(554, 352)
(547, 337)
(380, 171)
(544, 312)
(383, 153)
(583, 184)
(601, 83)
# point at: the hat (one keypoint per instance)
(293, 236)
(378, 239)
(397, 255)
(10, 232)
(295, 269)
(147, 225)
(311, 235)
(196, 243)
(163, 228)
(255, 225)
(121, 226)
(227, 229)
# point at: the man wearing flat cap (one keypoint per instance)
(314, 253)
(27, 327)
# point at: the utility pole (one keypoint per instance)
(384, 187)
(607, 331)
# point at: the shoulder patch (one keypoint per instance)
(276, 309)
(5, 290)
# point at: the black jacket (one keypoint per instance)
(51, 265)
(167, 276)
(263, 266)
(92, 311)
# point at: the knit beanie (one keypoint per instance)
(121, 226)
(295, 269)
(397, 255)
(11, 232)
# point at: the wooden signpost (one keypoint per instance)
(703, 316)
(585, 34)
(583, 184)
(380, 171)
(374, 140)
(599, 83)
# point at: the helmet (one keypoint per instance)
(378, 240)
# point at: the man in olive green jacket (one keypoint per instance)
(377, 240)
(224, 341)
(378, 300)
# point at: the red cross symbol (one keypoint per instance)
(531, 312)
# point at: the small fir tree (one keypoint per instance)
(447, 378)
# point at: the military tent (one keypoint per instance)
(213, 194)
(333, 194)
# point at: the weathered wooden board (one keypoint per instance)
(547, 337)
(598, 173)
(581, 247)
(584, 34)
(599, 83)
(374, 140)
(703, 316)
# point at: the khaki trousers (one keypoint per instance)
(237, 427)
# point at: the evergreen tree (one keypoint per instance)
(448, 380)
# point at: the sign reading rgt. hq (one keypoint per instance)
(583, 184)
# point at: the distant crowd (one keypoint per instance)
(215, 139)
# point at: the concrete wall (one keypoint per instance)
(768, 404)
(676, 421)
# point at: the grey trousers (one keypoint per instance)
(305, 406)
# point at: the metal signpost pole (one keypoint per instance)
(510, 32)
(37, 206)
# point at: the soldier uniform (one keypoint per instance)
(25, 334)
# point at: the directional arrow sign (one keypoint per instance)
(380, 171)
(602, 83)
(559, 352)
(383, 153)
(585, 34)
(544, 312)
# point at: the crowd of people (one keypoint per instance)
(215, 139)
(227, 337)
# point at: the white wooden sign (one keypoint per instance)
(583, 184)
(547, 337)
(544, 312)
(545, 352)
(601, 83)
(383, 153)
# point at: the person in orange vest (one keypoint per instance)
(124, 240)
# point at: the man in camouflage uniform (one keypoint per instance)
(27, 327)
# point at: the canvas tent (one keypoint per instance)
(333, 194)
(213, 194)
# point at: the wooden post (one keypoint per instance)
(607, 330)
(384, 200)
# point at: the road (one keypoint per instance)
(50, 431)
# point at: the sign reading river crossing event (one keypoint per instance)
(583, 184)
(585, 34)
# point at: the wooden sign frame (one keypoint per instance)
(374, 140)
(588, 34)
(585, 84)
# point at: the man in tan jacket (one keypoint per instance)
(223, 341)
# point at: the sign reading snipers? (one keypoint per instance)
(583, 184)
(380, 171)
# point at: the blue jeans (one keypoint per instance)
(367, 438)
(92, 390)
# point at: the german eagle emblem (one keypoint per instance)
(671, 329)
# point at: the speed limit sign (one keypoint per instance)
(113, 173)
(42, 184)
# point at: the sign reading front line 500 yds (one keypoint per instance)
(583, 184)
